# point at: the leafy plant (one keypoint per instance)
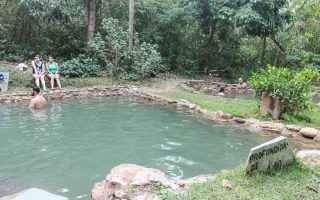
(162, 191)
(294, 88)
(110, 50)
(80, 67)
(303, 58)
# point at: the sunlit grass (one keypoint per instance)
(296, 182)
(236, 107)
(247, 108)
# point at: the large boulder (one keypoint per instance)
(128, 181)
(309, 132)
(133, 182)
(311, 157)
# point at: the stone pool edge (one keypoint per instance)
(305, 137)
(276, 128)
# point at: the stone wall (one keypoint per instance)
(210, 87)
(95, 92)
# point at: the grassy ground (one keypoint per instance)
(295, 183)
(247, 108)
(21, 81)
(236, 107)
(18, 80)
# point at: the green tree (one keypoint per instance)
(263, 18)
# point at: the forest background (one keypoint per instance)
(188, 37)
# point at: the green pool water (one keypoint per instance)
(69, 146)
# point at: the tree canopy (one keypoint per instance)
(190, 36)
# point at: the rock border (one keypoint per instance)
(303, 136)
(290, 131)
(210, 86)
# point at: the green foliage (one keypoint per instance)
(303, 58)
(40, 27)
(263, 18)
(192, 36)
(295, 182)
(110, 50)
(294, 88)
(162, 191)
(80, 67)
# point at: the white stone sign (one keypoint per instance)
(4, 80)
(38, 194)
(270, 156)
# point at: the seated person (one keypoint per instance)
(221, 91)
(38, 101)
(241, 86)
(38, 71)
(53, 72)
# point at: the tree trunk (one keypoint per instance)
(86, 15)
(131, 21)
(278, 44)
(276, 58)
(90, 19)
(262, 51)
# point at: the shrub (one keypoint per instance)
(110, 50)
(303, 58)
(80, 67)
(294, 88)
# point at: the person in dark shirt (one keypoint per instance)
(38, 71)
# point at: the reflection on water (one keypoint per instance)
(66, 147)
